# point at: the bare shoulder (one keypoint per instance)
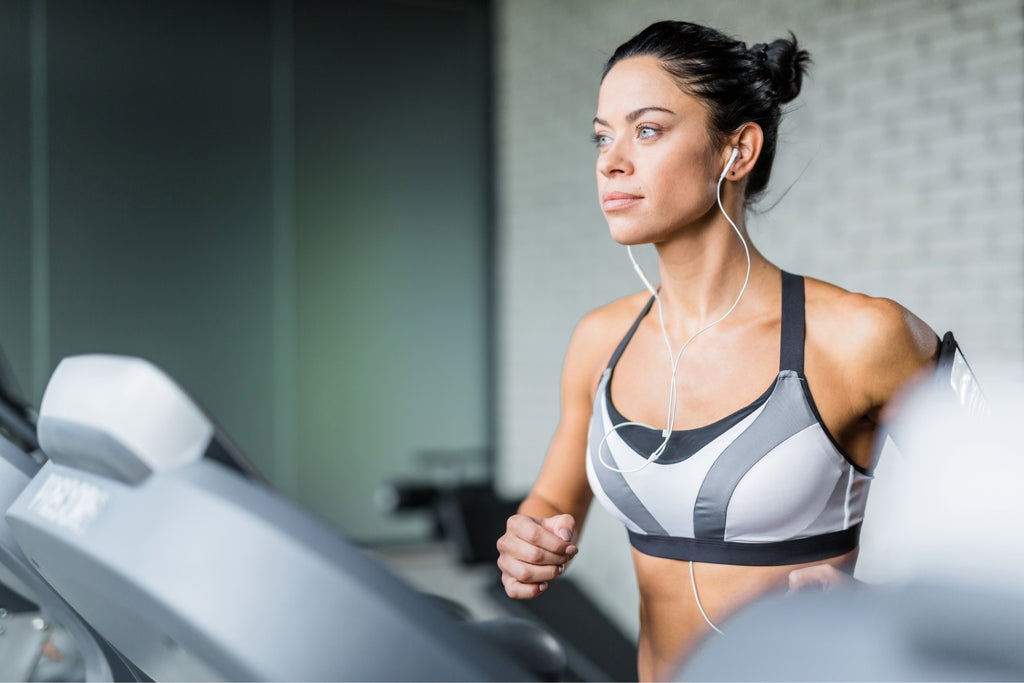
(880, 343)
(858, 325)
(620, 312)
(598, 333)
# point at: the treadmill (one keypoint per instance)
(148, 523)
(32, 611)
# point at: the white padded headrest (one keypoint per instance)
(119, 416)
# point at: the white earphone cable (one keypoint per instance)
(693, 582)
(675, 357)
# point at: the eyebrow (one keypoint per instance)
(635, 114)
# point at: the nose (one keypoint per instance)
(614, 159)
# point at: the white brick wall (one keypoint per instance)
(905, 153)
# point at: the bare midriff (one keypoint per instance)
(671, 625)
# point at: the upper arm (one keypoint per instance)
(897, 350)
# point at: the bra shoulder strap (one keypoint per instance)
(629, 335)
(792, 355)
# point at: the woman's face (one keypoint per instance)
(656, 167)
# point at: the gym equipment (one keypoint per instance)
(471, 517)
(194, 571)
(595, 648)
(34, 597)
(921, 631)
(949, 602)
(30, 610)
(17, 420)
(954, 374)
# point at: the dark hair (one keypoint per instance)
(737, 84)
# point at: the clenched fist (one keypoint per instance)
(533, 551)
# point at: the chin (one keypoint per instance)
(631, 237)
(631, 242)
(631, 230)
(626, 234)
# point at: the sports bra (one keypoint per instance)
(766, 485)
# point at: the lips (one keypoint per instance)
(615, 201)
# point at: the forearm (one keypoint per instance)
(535, 505)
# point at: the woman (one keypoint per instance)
(744, 461)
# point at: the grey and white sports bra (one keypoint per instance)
(766, 485)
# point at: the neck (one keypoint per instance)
(703, 268)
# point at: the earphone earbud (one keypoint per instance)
(732, 160)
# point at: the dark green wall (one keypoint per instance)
(159, 152)
(392, 180)
(303, 249)
(15, 197)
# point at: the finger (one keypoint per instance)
(519, 549)
(533, 532)
(822, 577)
(522, 591)
(527, 573)
(797, 579)
(801, 578)
(563, 526)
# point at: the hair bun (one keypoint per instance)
(786, 64)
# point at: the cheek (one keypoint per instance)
(681, 176)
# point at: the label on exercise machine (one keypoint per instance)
(69, 503)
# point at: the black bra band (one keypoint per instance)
(793, 551)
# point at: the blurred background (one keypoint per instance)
(360, 234)
(283, 204)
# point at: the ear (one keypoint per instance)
(748, 140)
